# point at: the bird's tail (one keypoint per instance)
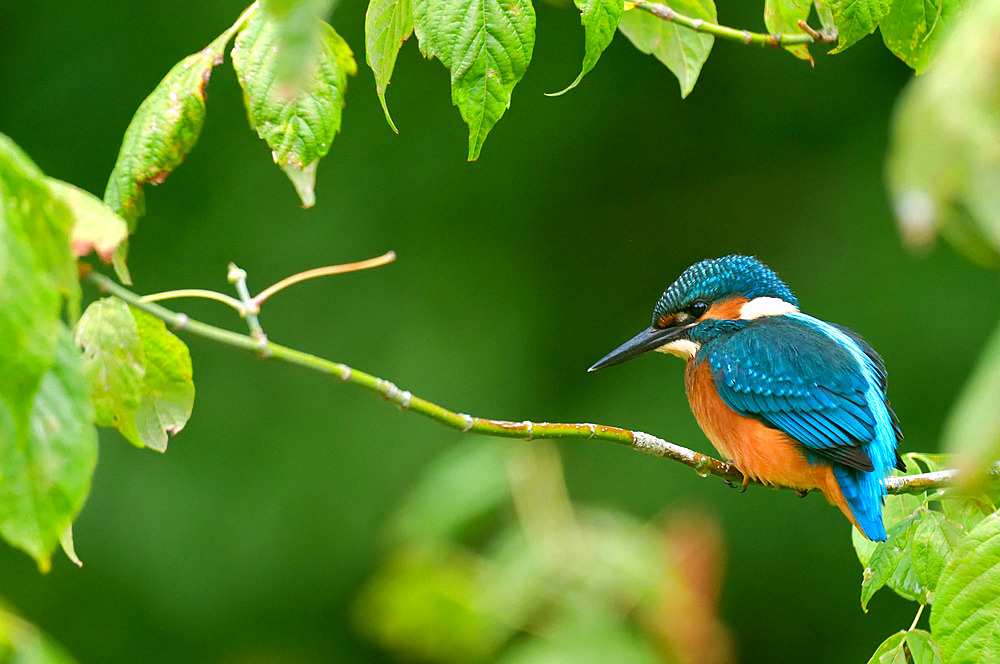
(860, 499)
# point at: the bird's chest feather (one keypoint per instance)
(759, 451)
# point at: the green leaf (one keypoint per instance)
(965, 617)
(23, 643)
(167, 388)
(856, 19)
(297, 35)
(163, 131)
(966, 511)
(299, 120)
(914, 29)
(388, 23)
(891, 565)
(600, 19)
(139, 372)
(825, 16)
(486, 45)
(37, 270)
(69, 547)
(783, 16)
(972, 431)
(682, 50)
(95, 226)
(113, 362)
(943, 168)
(931, 546)
(890, 651)
(923, 648)
(47, 471)
(472, 475)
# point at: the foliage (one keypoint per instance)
(489, 560)
(62, 373)
(942, 551)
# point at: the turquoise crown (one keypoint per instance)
(720, 278)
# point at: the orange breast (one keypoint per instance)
(760, 452)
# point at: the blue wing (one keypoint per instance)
(822, 386)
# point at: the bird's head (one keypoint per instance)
(712, 297)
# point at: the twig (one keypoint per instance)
(385, 258)
(809, 35)
(703, 464)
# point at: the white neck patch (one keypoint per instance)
(683, 348)
(766, 306)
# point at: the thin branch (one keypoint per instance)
(809, 36)
(195, 292)
(703, 464)
(385, 258)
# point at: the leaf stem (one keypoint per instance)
(385, 258)
(916, 618)
(777, 40)
(703, 464)
(195, 292)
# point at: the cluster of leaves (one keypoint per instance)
(488, 560)
(942, 551)
(134, 374)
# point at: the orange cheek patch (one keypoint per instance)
(727, 309)
(667, 321)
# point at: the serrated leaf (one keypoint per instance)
(600, 19)
(943, 169)
(890, 651)
(965, 617)
(140, 373)
(486, 45)
(388, 23)
(299, 120)
(23, 643)
(931, 546)
(856, 19)
(783, 16)
(163, 131)
(95, 226)
(891, 564)
(914, 29)
(923, 648)
(167, 396)
(682, 50)
(37, 270)
(46, 473)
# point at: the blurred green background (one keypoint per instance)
(249, 539)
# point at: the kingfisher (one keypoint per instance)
(787, 398)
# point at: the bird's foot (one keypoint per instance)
(802, 493)
(746, 482)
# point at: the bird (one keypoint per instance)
(790, 400)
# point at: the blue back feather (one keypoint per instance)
(820, 385)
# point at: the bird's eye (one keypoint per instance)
(697, 309)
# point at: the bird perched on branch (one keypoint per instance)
(790, 399)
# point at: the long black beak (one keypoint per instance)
(647, 340)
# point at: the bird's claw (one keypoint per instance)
(746, 482)
(801, 493)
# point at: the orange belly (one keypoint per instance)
(764, 454)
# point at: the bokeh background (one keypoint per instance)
(250, 539)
